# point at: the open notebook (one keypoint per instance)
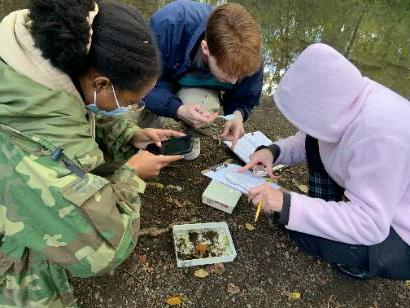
(243, 182)
(248, 144)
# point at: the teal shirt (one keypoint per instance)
(201, 77)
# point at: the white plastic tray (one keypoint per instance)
(220, 227)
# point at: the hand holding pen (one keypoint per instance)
(266, 198)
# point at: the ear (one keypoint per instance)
(101, 83)
(204, 48)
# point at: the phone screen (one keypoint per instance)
(175, 146)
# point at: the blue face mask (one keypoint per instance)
(119, 111)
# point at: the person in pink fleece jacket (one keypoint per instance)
(354, 134)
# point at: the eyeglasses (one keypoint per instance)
(137, 107)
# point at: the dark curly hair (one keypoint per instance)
(122, 46)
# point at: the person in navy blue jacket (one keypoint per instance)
(210, 57)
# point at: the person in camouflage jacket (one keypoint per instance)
(58, 215)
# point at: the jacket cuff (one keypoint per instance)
(126, 176)
(242, 111)
(173, 107)
(284, 214)
(274, 148)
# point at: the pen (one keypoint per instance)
(258, 210)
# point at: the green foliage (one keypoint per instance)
(374, 34)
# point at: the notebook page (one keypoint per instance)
(248, 144)
(245, 180)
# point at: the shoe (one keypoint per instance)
(351, 272)
(196, 150)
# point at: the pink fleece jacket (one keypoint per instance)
(363, 130)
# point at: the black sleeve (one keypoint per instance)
(274, 148)
(284, 214)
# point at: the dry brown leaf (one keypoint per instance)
(201, 248)
(294, 295)
(175, 300)
(233, 289)
(142, 259)
(178, 204)
(169, 199)
(201, 273)
(303, 188)
(249, 227)
(149, 269)
(218, 268)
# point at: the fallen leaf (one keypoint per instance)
(294, 295)
(303, 188)
(173, 187)
(142, 259)
(201, 273)
(218, 268)
(249, 227)
(187, 203)
(178, 204)
(175, 300)
(157, 185)
(233, 289)
(201, 248)
(149, 269)
(408, 283)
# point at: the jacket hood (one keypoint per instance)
(321, 93)
(18, 50)
(38, 99)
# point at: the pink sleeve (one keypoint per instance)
(374, 187)
(292, 149)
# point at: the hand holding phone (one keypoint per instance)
(148, 165)
(172, 146)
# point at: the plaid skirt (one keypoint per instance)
(320, 184)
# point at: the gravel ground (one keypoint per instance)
(269, 270)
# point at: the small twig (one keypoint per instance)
(155, 232)
(330, 300)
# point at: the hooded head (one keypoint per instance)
(321, 93)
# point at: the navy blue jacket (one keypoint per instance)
(178, 27)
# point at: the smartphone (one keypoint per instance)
(172, 146)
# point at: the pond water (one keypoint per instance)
(374, 34)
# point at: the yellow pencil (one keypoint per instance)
(258, 210)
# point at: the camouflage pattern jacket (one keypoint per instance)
(57, 217)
